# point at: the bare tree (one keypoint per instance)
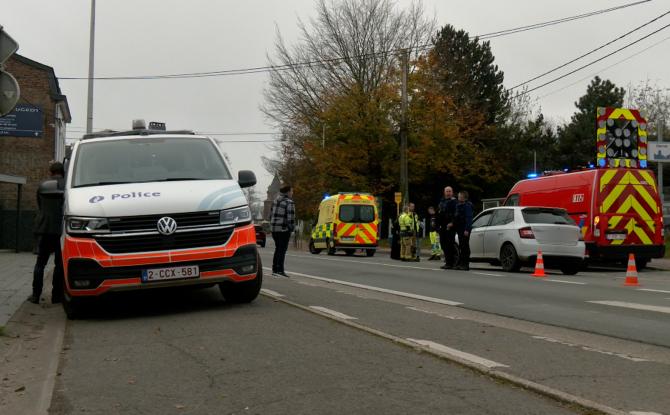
(350, 44)
(653, 100)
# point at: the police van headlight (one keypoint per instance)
(78, 225)
(236, 216)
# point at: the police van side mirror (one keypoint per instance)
(246, 178)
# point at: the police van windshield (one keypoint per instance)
(147, 159)
(357, 213)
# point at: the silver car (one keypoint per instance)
(512, 236)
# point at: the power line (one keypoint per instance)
(590, 52)
(593, 62)
(268, 68)
(606, 68)
(558, 21)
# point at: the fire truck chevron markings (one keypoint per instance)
(635, 306)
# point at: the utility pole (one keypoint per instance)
(660, 124)
(404, 180)
(91, 48)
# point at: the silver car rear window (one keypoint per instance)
(547, 215)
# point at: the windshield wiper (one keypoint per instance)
(100, 184)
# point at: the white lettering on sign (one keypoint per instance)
(578, 198)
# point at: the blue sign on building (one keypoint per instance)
(25, 121)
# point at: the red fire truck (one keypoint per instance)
(618, 209)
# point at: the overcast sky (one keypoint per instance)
(149, 37)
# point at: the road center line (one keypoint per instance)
(643, 413)
(459, 354)
(636, 306)
(420, 310)
(332, 312)
(567, 282)
(488, 274)
(654, 291)
(379, 289)
(365, 262)
(272, 293)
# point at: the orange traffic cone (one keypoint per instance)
(539, 265)
(631, 272)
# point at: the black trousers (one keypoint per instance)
(447, 241)
(281, 246)
(464, 246)
(48, 244)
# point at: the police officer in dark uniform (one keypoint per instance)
(446, 213)
(48, 228)
(463, 225)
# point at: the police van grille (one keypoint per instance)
(149, 222)
(157, 242)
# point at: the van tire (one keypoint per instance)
(509, 258)
(331, 249)
(349, 252)
(73, 307)
(312, 249)
(243, 292)
(369, 252)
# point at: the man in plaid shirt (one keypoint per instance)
(282, 223)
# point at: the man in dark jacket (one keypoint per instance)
(282, 222)
(446, 212)
(48, 228)
(463, 225)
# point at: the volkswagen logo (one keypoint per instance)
(166, 225)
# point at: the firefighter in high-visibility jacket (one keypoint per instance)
(409, 228)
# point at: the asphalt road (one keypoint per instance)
(371, 335)
(190, 353)
(594, 301)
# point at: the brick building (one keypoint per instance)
(30, 137)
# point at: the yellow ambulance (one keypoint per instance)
(346, 221)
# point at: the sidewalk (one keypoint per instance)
(16, 278)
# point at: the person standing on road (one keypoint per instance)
(431, 223)
(48, 229)
(409, 228)
(463, 225)
(445, 216)
(282, 222)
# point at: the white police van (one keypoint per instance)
(151, 208)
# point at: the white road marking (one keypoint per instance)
(459, 354)
(489, 274)
(567, 282)
(272, 293)
(591, 349)
(379, 289)
(643, 413)
(332, 312)
(653, 291)
(635, 306)
(432, 312)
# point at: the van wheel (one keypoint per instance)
(331, 247)
(243, 292)
(369, 252)
(312, 248)
(349, 252)
(509, 259)
(73, 307)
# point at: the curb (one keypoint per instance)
(539, 389)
